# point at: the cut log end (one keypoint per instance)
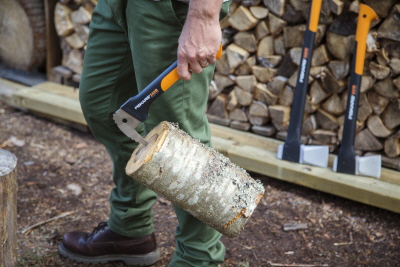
(196, 178)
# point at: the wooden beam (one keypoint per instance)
(48, 103)
(58, 89)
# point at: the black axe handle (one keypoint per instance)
(291, 148)
(346, 160)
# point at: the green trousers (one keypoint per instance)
(130, 43)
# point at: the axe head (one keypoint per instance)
(365, 166)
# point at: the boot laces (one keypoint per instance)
(100, 227)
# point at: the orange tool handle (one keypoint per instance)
(365, 16)
(173, 76)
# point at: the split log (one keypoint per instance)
(240, 125)
(62, 20)
(275, 24)
(259, 12)
(218, 107)
(236, 56)
(378, 71)
(8, 211)
(390, 116)
(326, 120)
(394, 64)
(218, 120)
(243, 97)
(325, 137)
(270, 61)
(80, 16)
(317, 93)
(242, 19)
(341, 47)
(339, 69)
(246, 41)
(232, 101)
(279, 45)
(366, 141)
(259, 109)
(257, 121)
(377, 128)
(261, 30)
(222, 65)
(392, 145)
(264, 74)
(366, 83)
(309, 124)
(238, 114)
(286, 96)
(331, 85)
(336, 6)
(247, 82)
(74, 41)
(266, 46)
(221, 82)
(279, 113)
(286, 68)
(73, 60)
(382, 8)
(82, 31)
(264, 95)
(334, 105)
(277, 84)
(320, 56)
(276, 7)
(245, 68)
(386, 88)
(293, 16)
(364, 108)
(266, 130)
(378, 103)
(196, 178)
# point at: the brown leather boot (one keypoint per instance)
(103, 245)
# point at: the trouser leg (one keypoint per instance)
(108, 80)
(153, 29)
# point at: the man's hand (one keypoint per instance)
(200, 38)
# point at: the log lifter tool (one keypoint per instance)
(347, 161)
(136, 109)
(292, 149)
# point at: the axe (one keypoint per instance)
(292, 149)
(346, 160)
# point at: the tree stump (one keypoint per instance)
(8, 209)
(196, 178)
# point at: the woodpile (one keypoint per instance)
(71, 19)
(256, 77)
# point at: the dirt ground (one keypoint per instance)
(62, 171)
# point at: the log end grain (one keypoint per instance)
(196, 178)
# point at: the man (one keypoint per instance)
(130, 43)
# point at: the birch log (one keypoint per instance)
(196, 178)
(8, 209)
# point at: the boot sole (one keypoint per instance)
(139, 260)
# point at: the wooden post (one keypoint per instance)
(8, 209)
(196, 178)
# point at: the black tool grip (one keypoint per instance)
(138, 105)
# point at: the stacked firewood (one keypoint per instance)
(256, 77)
(72, 18)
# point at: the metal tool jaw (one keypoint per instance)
(127, 124)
